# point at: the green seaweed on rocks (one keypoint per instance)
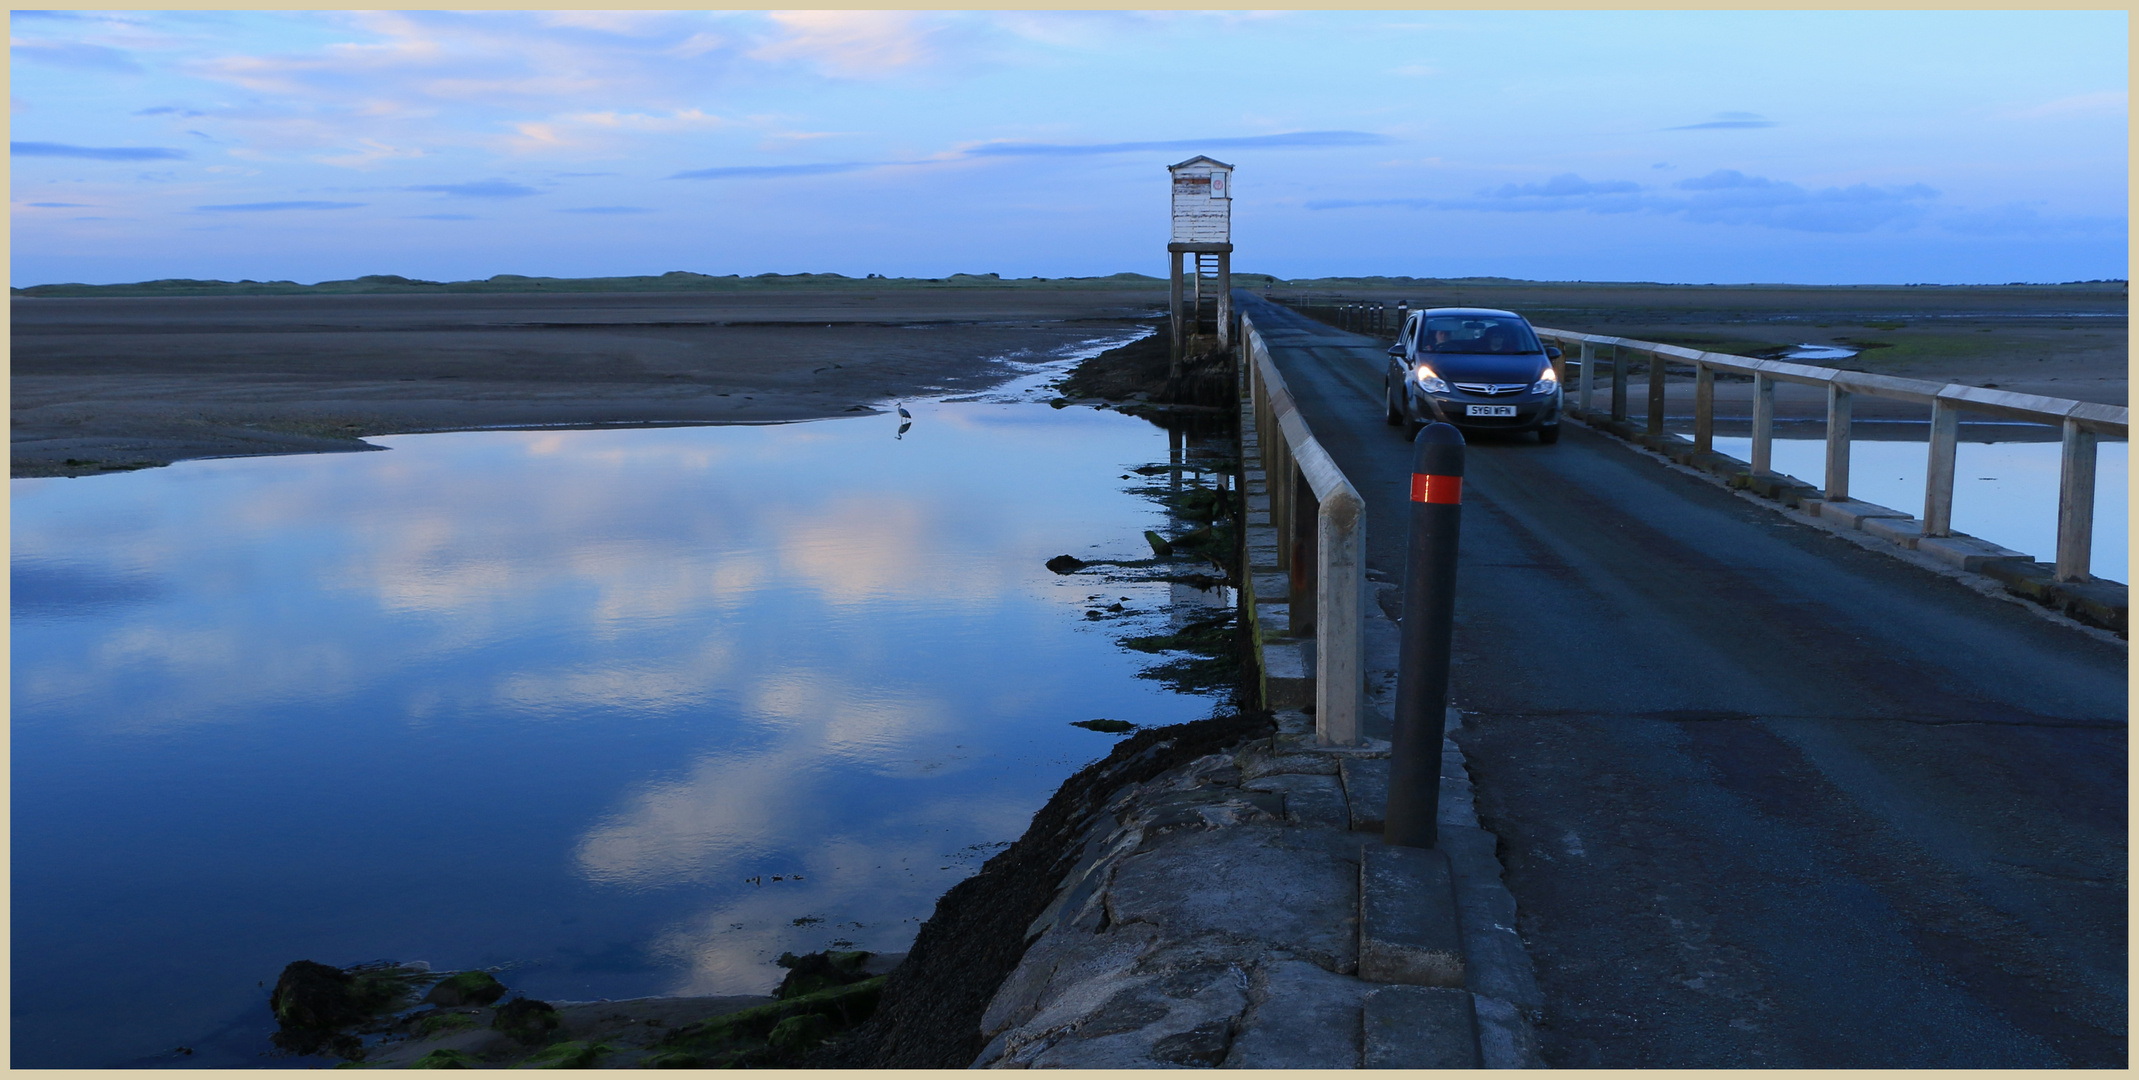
(313, 1003)
(567, 1055)
(447, 1059)
(741, 1039)
(531, 1022)
(466, 988)
(811, 972)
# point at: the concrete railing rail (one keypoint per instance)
(1320, 523)
(2082, 423)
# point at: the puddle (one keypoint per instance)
(1819, 352)
(624, 712)
(2004, 492)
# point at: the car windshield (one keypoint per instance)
(1501, 335)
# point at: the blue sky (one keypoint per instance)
(1811, 146)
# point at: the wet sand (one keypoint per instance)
(116, 383)
(103, 384)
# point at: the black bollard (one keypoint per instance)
(1412, 817)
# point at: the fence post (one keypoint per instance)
(1589, 380)
(1619, 383)
(1656, 395)
(1704, 408)
(2075, 504)
(1306, 523)
(1340, 589)
(1838, 403)
(1763, 424)
(1938, 471)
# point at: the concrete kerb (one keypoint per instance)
(1227, 913)
(2099, 608)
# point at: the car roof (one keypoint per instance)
(1469, 311)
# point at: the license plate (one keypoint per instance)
(1489, 410)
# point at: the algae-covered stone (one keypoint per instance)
(799, 1034)
(1111, 727)
(527, 1020)
(1159, 544)
(566, 1055)
(315, 997)
(447, 1059)
(812, 972)
(673, 1059)
(466, 988)
(313, 1002)
(434, 1023)
(1065, 564)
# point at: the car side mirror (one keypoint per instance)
(1396, 349)
(1551, 353)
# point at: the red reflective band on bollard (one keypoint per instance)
(1436, 489)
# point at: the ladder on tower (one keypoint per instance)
(1206, 283)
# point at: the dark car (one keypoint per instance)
(1476, 368)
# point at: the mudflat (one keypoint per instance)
(2066, 341)
(104, 383)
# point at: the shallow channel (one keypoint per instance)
(623, 712)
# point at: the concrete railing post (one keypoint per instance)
(2075, 504)
(1656, 395)
(1763, 424)
(1306, 523)
(1619, 384)
(1838, 404)
(1704, 408)
(1340, 589)
(1588, 378)
(1938, 471)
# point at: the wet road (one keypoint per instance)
(1765, 798)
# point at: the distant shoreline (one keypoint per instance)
(685, 281)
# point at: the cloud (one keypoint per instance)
(74, 54)
(2105, 101)
(606, 210)
(56, 205)
(1287, 140)
(1565, 185)
(849, 44)
(1729, 120)
(372, 154)
(260, 207)
(1725, 197)
(1303, 139)
(1728, 196)
(480, 189)
(168, 110)
(445, 217)
(737, 172)
(95, 153)
(2023, 219)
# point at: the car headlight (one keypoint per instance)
(1430, 382)
(1546, 381)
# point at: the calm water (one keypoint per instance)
(627, 712)
(2004, 492)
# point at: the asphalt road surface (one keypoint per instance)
(1765, 798)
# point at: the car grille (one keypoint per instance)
(1492, 389)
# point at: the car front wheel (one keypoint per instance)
(1388, 399)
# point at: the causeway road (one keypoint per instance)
(1765, 798)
